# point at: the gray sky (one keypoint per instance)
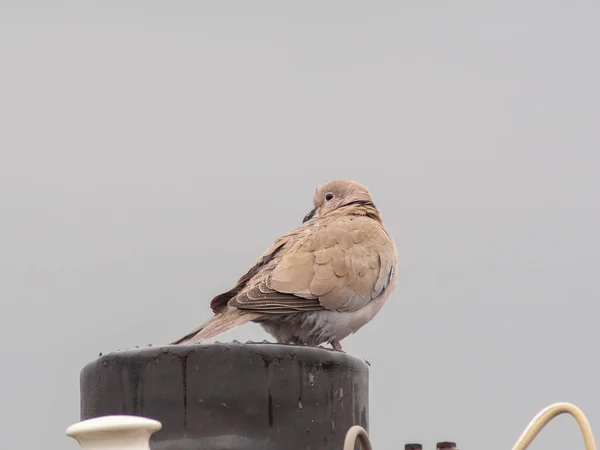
(150, 151)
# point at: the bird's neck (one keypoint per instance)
(362, 208)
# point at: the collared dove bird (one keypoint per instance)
(319, 283)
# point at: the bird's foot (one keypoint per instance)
(336, 346)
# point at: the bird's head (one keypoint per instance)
(338, 194)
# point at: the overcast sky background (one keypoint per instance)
(151, 150)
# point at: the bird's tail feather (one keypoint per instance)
(222, 322)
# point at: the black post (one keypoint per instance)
(412, 446)
(446, 445)
(233, 396)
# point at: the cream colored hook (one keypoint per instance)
(357, 432)
(549, 413)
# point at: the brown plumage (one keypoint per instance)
(318, 283)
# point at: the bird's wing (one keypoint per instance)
(341, 265)
(219, 303)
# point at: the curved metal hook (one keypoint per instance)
(357, 432)
(549, 413)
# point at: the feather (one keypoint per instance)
(220, 323)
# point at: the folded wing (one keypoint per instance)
(340, 266)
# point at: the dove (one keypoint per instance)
(319, 283)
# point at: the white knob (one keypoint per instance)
(114, 433)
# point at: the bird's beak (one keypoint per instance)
(310, 215)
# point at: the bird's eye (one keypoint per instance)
(328, 197)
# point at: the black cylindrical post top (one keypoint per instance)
(232, 396)
(413, 446)
(446, 445)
